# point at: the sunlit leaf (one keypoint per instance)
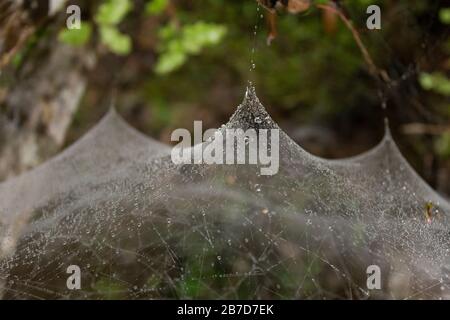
(116, 41)
(112, 12)
(170, 62)
(155, 7)
(193, 38)
(444, 15)
(436, 82)
(76, 37)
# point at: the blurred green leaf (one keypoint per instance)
(193, 38)
(170, 61)
(155, 7)
(201, 34)
(442, 145)
(167, 32)
(109, 289)
(17, 59)
(436, 82)
(116, 41)
(76, 37)
(112, 12)
(444, 15)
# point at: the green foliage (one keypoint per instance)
(177, 46)
(170, 61)
(109, 15)
(112, 12)
(155, 7)
(17, 59)
(76, 37)
(116, 41)
(201, 34)
(436, 82)
(109, 289)
(442, 145)
(29, 46)
(444, 15)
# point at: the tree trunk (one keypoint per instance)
(38, 106)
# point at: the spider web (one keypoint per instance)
(140, 226)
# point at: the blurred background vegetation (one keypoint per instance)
(170, 62)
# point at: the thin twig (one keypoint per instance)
(374, 70)
(422, 128)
